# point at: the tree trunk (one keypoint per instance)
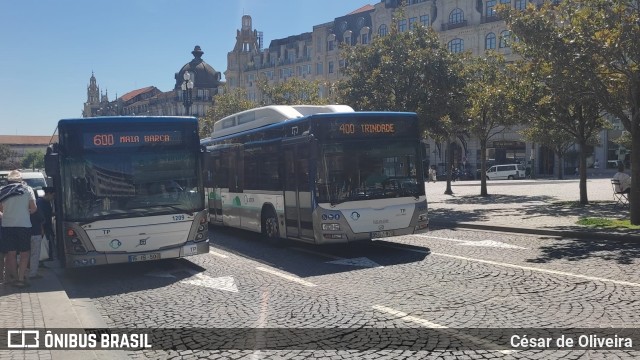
(560, 167)
(483, 168)
(448, 161)
(584, 200)
(634, 197)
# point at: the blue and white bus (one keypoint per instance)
(318, 174)
(128, 189)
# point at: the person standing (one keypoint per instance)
(17, 203)
(37, 230)
(44, 205)
(432, 173)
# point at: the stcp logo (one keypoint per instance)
(23, 339)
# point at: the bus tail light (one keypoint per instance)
(423, 217)
(71, 232)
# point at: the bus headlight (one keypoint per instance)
(75, 241)
(331, 227)
(423, 217)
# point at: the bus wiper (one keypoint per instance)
(334, 203)
(170, 206)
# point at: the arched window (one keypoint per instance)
(382, 30)
(347, 37)
(490, 8)
(331, 42)
(456, 45)
(490, 41)
(456, 16)
(505, 37)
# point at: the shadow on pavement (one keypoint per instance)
(574, 250)
(307, 260)
(496, 199)
(123, 278)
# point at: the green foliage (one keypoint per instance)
(608, 223)
(553, 49)
(6, 154)
(597, 41)
(225, 103)
(293, 91)
(625, 140)
(406, 71)
(492, 96)
(33, 160)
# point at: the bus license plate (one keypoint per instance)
(381, 234)
(144, 257)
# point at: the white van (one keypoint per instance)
(36, 181)
(507, 171)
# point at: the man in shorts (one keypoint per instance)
(17, 203)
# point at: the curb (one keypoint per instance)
(59, 311)
(586, 235)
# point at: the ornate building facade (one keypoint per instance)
(462, 25)
(151, 101)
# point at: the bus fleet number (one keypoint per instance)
(178, 217)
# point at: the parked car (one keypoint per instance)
(507, 171)
(36, 181)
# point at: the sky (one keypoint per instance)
(49, 48)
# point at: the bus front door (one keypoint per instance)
(297, 194)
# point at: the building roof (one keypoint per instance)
(364, 8)
(131, 94)
(204, 76)
(27, 139)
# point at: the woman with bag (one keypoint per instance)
(37, 230)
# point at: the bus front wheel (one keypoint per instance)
(270, 227)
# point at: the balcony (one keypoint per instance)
(451, 26)
(490, 18)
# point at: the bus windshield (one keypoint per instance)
(124, 184)
(368, 169)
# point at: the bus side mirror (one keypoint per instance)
(51, 165)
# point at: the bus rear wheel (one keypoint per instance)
(270, 227)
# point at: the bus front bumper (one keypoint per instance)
(95, 258)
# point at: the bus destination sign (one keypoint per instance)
(368, 127)
(131, 139)
(351, 128)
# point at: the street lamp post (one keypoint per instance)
(533, 164)
(187, 88)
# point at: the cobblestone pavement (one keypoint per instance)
(444, 279)
(524, 204)
(449, 279)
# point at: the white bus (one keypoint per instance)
(128, 189)
(318, 174)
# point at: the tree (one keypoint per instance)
(492, 94)
(607, 32)
(407, 71)
(554, 53)
(33, 160)
(6, 154)
(225, 103)
(293, 91)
